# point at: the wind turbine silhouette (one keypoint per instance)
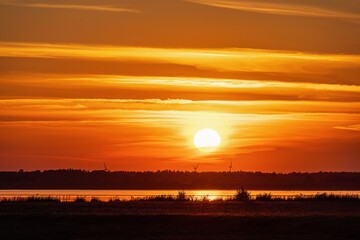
(105, 168)
(196, 167)
(230, 166)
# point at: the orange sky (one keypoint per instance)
(130, 82)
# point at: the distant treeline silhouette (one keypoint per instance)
(81, 179)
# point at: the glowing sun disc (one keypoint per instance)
(207, 139)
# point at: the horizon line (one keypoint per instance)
(168, 170)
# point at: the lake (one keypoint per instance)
(106, 195)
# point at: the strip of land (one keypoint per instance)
(180, 220)
(101, 179)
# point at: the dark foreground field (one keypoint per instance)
(180, 220)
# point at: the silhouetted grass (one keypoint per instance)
(316, 197)
(159, 198)
(334, 197)
(80, 199)
(241, 195)
(181, 196)
(264, 197)
(31, 199)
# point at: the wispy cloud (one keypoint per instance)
(355, 127)
(71, 7)
(98, 80)
(153, 87)
(278, 8)
(235, 59)
(90, 109)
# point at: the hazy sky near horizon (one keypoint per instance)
(129, 83)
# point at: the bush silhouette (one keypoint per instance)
(242, 195)
(181, 195)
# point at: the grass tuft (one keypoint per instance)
(264, 197)
(159, 198)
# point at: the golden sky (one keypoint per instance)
(130, 82)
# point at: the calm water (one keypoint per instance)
(106, 195)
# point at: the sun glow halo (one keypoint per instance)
(207, 140)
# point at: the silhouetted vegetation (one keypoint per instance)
(31, 199)
(242, 195)
(300, 197)
(94, 199)
(334, 197)
(80, 179)
(264, 197)
(80, 199)
(115, 200)
(159, 198)
(181, 195)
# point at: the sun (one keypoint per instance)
(207, 140)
